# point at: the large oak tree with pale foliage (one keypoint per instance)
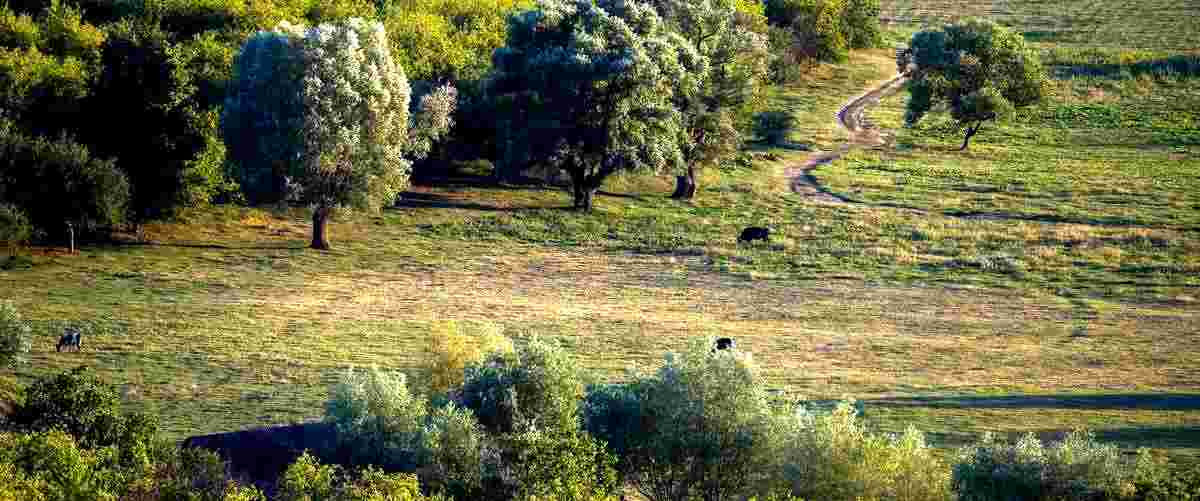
(329, 107)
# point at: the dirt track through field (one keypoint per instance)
(862, 133)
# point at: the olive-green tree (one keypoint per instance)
(724, 72)
(980, 70)
(586, 87)
(702, 427)
(354, 138)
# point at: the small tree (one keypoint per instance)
(586, 86)
(981, 71)
(377, 419)
(357, 136)
(701, 428)
(15, 340)
(724, 70)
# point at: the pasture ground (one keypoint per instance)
(1045, 280)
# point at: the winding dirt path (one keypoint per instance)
(862, 133)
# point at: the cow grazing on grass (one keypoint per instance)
(754, 233)
(72, 338)
(724, 343)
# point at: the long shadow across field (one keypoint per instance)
(1132, 401)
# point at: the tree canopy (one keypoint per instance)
(332, 108)
(981, 71)
(587, 87)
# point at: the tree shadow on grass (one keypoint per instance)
(1132, 401)
(1184, 65)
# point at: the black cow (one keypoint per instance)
(755, 233)
(724, 343)
(70, 338)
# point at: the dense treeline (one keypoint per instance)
(142, 90)
(490, 419)
(136, 89)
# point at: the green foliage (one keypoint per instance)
(774, 127)
(453, 40)
(80, 404)
(15, 228)
(262, 115)
(15, 336)
(819, 29)
(453, 347)
(376, 417)
(452, 453)
(1076, 468)
(860, 24)
(567, 465)
(52, 465)
(724, 69)
(58, 181)
(980, 70)
(701, 428)
(586, 87)
(834, 456)
(1156, 481)
(536, 387)
(308, 480)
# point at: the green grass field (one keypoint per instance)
(1044, 280)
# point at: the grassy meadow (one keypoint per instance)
(1045, 279)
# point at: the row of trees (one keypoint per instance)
(213, 108)
(523, 422)
(139, 88)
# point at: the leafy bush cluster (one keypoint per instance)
(807, 31)
(523, 424)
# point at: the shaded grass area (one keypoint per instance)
(1145, 24)
(227, 321)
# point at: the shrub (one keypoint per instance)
(453, 347)
(1076, 468)
(537, 386)
(452, 449)
(567, 465)
(1157, 482)
(774, 127)
(15, 338)
(860, 24)
(53, 465)
(88, 409)
(15, 228)
(308, 480)
(57, 181)
(833, 456)
(701, 427)
(377, 419)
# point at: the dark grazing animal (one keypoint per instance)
(70, 338)
(753, 233)
(724, 343)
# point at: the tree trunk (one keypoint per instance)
(320, 238)
(584, 195)
(685, 186)
(971, 131)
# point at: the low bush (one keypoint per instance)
(454, 346)
(536, 386)
(80, 404)
(1076, 468)
(833, 456)
(15, 337)
(309, 480)
(378, 420)
(15, 228)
